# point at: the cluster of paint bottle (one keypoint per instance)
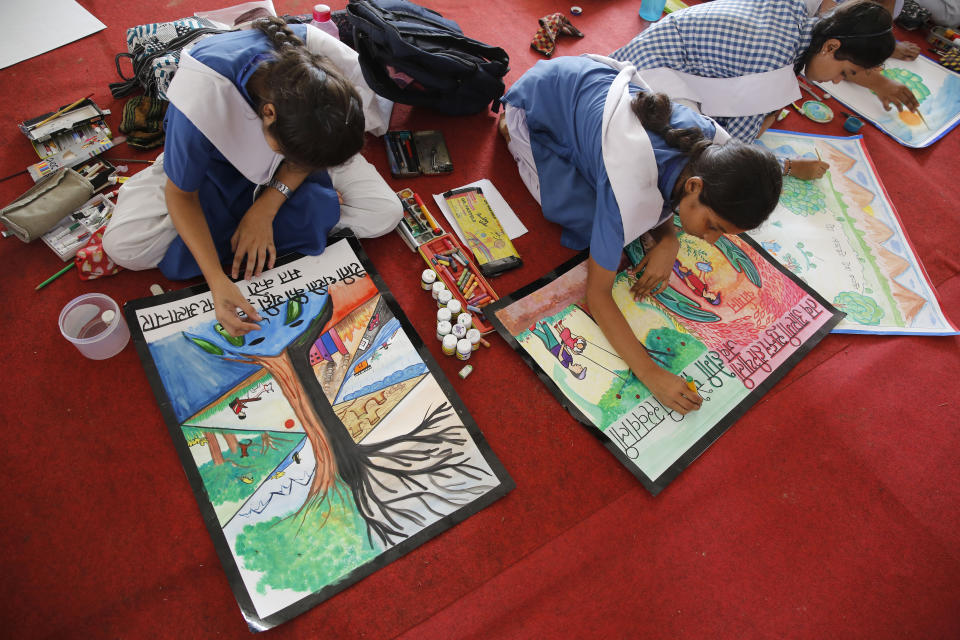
(455, 329)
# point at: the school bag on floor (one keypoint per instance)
(413, 55)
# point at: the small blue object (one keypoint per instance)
(575, 10)
(652, 10)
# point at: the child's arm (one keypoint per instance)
(670, 390)
(889, 92)
(655, 267)
(253, 238)
(188, 218)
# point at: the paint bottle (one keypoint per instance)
(427, 278)
(444, 314)
(459, 330)
(473, 335)
(454, 306)
(464, 350)
(443, 329)
(449, 344)
(437, 287)
(443, 298)
(465, 319)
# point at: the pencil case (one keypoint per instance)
(46, 203)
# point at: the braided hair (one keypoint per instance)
(319, 119)
(741, 182)
(864, 30)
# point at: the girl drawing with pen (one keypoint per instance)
(263, 135)
(737, 60)
(609, 160)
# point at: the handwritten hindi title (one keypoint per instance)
(267, 294)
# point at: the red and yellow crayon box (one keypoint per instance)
(454, 267)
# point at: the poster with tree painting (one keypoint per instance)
(321, 447)
(936, 88)
(732, 321)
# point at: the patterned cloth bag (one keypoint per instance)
(154, 50)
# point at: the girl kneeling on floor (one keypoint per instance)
(609, 161)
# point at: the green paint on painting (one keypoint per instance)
(802, 197)
(858, 307)
(309, 551)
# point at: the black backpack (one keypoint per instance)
(413, 55)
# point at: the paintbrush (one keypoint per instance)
(923, 120)
(809, 89)
(61, 111)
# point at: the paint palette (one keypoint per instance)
(817, 111)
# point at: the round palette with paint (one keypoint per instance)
(817, 111)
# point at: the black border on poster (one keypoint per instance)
(325, 412)
(656, 485)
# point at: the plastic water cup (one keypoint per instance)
(651, 10)
(94, 324)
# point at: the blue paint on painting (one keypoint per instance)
(191, 376)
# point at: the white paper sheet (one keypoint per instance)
(508, 219)
(28, 29)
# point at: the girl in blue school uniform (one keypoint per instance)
(261, 157)
(609, 160)
(737, 60)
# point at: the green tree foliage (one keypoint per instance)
(308, 551)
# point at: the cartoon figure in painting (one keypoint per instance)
(695, 283)
(573, 342)
(560, 350)
(239, 404)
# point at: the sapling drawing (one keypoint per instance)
(397, 484)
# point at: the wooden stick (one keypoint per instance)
(61, 111)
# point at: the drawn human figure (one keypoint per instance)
(238, 405)
(560, 350)
(695, 283)
(573, 342)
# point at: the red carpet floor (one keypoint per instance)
(829, 510)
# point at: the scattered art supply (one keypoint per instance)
(93, 324)
(467, 286)
(70, 234)
(266, 426)
(816, 111)
(156, 290)
(417, 225)
(491, 245)
(414, 153)
(936, 88)
(731, 319)
(67, 137)
(465, 371)
(427, 278)
(449, 344)
(55, 276)
(851, 123)
(843, 236)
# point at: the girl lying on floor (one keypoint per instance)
(263, 135)
(609, 160)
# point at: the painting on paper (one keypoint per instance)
(320, 447)
(732, 320)
(842, 235)
(936, 88)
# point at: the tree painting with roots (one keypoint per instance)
(320, 447)
(397, 485)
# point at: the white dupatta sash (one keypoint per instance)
(217, 108)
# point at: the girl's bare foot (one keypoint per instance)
(502, 126)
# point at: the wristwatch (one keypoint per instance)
(282, 188)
